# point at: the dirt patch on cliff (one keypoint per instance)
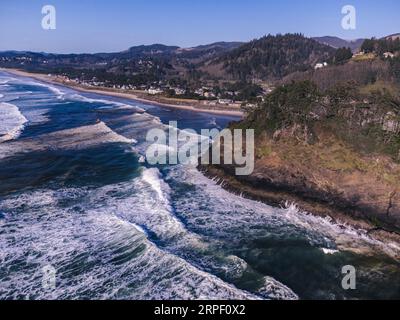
(327, 178)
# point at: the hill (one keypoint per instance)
(336, 42)
(209, 51)
(393, 36)
(270, 57)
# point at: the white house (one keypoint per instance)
(154, 91)
(320, 65)
(209, 94)
(225, 101)
(388, 55)
(200, 92)
(179, 91)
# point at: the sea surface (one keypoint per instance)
(77, 196)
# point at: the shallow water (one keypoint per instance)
(75, 195)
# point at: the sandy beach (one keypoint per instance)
(119, 93)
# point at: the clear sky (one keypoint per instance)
(115, 25)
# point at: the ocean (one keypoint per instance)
(77, 196)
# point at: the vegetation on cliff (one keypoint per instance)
(339, 147)
(369, 121)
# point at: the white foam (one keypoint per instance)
(329, 251)
(121, 106)
(139, 228)
(53, 89)
(142, 159)
(346, 237)
(129, 107)
(96, 255)
(153, 178)
(1, 95)
(69, 139)
(11, 121)
(36, 115)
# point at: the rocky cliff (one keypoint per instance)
(334, 153)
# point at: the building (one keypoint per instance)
(200, 92)
(209, 94)
(179, 91)
(154, 91)
(225, 101)
(320, 65)
(388, 55)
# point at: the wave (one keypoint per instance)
(55, 90)
(346, 237)
(156, 241)
(147, 204)
(95, 254)
(122, 106)
(329, 251)
(1, 95)
(59, 93)
(153, 178)
(11, 121)
(36, 115)
(70, 139)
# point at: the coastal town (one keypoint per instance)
(204, 96)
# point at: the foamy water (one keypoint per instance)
(11, 121)
(77, 194)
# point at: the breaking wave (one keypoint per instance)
(11, 121)
(70, 139)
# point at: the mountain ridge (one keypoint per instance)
(336, 42)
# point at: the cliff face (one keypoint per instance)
(334, 153)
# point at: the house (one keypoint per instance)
(200, 92)
(179, 91)
(225, 101)
(209, 94)
(388, 55)
(251, 105)
(210, 103)
(320, 65)
(154, 91)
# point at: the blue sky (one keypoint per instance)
(107, 26)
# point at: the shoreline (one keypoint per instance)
(278, 198)
(273, 198)
(119, 94)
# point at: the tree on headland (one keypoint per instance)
(342, 55)
(380, 46)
